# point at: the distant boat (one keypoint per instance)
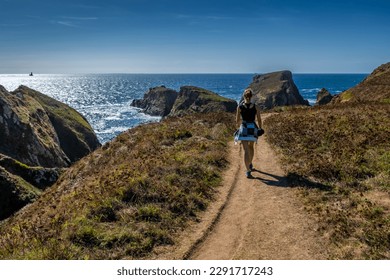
(31, 74)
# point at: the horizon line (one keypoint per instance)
(191, 73)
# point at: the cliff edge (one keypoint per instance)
(38, 137)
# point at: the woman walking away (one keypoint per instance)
(247, 112)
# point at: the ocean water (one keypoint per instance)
(104, 99)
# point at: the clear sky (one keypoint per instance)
(198, 36)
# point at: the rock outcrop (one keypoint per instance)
(162, 101)
(198, 100)
(21, 184)
(323, 97)
(376, 87)
(40, 131)
(14, 193)
(38, 137)
(76, 136)
(158, 101)
(39, 177)
(276, 89)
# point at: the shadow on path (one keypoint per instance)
(292, 180)
(272, 180)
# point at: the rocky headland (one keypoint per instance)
(276, 89)
(162, 101)
(38, 137)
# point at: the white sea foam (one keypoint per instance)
(310, 90)
(113, 130)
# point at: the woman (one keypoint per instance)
(248, 112)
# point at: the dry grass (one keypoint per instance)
(133, 194)
(340, 155)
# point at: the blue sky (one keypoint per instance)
(172, 36)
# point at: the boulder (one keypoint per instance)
(40, 131)
(276, 89)
(376, 87)
(198, 100)
(158, 101)
(323, 97)
(162, 101)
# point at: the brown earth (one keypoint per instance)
(260, 218)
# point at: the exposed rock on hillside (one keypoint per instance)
(162, 101)
(75, 134)
(276, 89)
(38, 136)
(39, 177)
(21, 184)
(27, 133)
(40, 131)
(14, 193)
(376, 87)
(158, 101)
(198, 100)
(323, 97)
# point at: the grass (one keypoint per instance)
(347, 95)
(340, 157)
(130, 196)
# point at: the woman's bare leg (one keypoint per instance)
(248, 155)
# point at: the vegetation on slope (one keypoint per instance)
(14, 193)
(131, 195)
(340, 155)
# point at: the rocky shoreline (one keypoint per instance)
(41, 136)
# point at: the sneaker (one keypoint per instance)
(248, 174)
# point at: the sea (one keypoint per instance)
(104, 99)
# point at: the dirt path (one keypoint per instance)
(263, 219)
(259, 218)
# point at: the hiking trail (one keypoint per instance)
(259, 218)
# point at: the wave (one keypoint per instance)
(310, 90)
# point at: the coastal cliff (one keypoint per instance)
(157, 101)
(38, 137)
(162, 101)
(276, 89)
(40, 131)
